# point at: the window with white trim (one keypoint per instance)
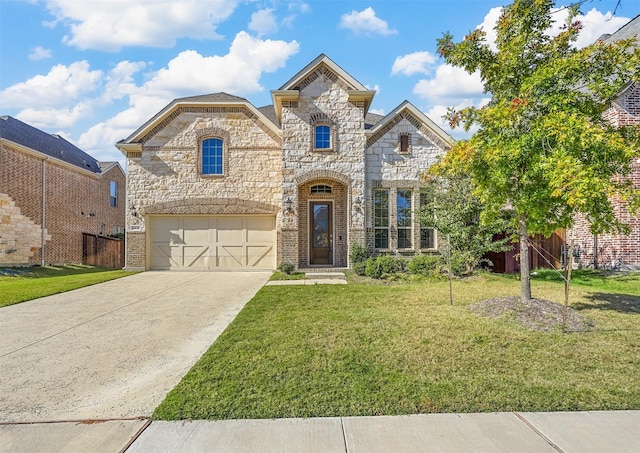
(404, 217)
(381, 218)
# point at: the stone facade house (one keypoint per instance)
(51, 192)
(607, 250)
(216, 183)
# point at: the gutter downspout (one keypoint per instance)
(44, 208)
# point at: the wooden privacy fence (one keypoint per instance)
(102, 251)
(551, 248)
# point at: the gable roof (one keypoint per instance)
(322, 64)
(629, 30)
(52, 145)
(134, 141)
(422, 122)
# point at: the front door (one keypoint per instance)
(321, 232)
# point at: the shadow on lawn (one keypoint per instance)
(623, 303)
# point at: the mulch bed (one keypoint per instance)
(536, 314)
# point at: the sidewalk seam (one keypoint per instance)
(135, 436)
(538, 432)
(344, 435)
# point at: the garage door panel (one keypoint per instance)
(166, 257)
(196, 230)
(210, 242)
(260, 255)
(231, 257)
(196, 257)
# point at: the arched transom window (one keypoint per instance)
(321, 188)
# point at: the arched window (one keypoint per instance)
(321, 188)
(212, 156)
(322, 137)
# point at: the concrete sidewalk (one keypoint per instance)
(583, 432)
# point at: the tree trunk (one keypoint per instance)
(525, 274)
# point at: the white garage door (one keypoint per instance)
(209, 243)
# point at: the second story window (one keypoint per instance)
(113, 194)
(322, 137)
(212, 156)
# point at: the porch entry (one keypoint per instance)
(321, 232)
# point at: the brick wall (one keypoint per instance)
(606, 250)
(76, 201)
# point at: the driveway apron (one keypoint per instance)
(113, 350)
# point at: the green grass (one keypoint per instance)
(284, 276)
(22, 284)
(598, 280)
(400, 348)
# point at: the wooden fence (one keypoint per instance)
(102, 251)
(544, 252)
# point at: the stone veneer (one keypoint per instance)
(324, 98)
(20, 237)
(166, 178)
(262, 169)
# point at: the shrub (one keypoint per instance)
(424, 264)
(286, 267)
(383, 264)
(358, 253)
(360, 268)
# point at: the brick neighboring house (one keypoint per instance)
(46, 182)
(216, 183)
(606, 250)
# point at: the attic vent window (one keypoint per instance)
(321, 189)
(405, 143)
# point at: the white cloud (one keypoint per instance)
(189, 73)
(413, 63)
(437, 112)
(50, 118)
(594, 24)
(377, 111)
(450, 83)
(263, 22)
(366, 22)
(111, 25)
(62, 86)
(237, 72)
(488, 25)
(40, 53)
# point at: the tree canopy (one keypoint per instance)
(544, 148)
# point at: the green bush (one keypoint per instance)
(286, 267)
(383, 264)
(358, 253)
(360, 268)
(424, 264)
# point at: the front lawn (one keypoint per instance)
(362, 349)
(22, 284)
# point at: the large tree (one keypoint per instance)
(543, 148)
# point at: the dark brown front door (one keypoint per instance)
(321, 232)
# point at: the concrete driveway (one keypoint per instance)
(115, 349)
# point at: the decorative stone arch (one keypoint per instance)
(210, 206)
(323, 174)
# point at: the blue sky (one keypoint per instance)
(95, 70)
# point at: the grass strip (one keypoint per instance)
(23, 284)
